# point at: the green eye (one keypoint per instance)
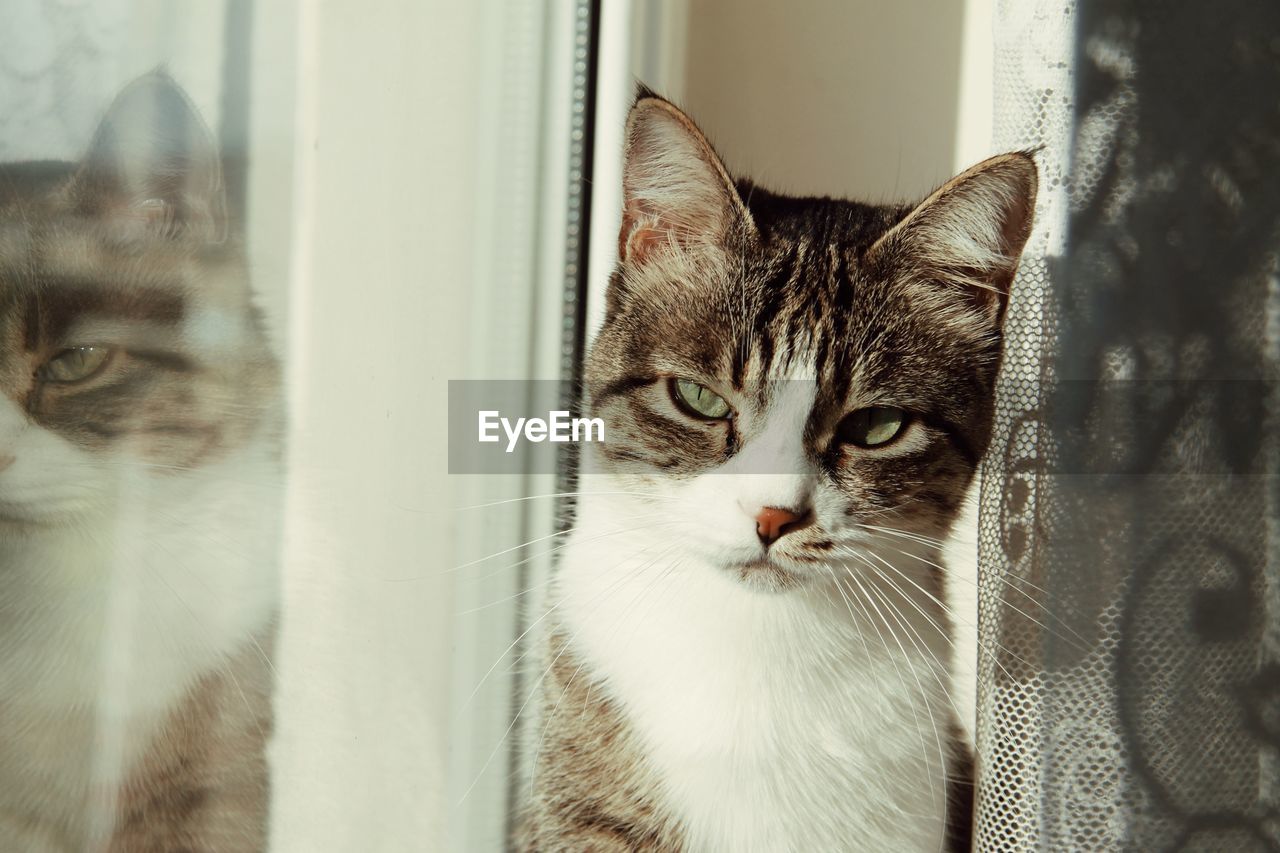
(699, 401)
(75, 364)
(872, 427)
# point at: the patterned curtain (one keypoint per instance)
(62, 61)
(1129, 687)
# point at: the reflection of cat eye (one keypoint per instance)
(873, 426)
(698, 400)
(75, 364)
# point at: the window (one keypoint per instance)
(262, 264)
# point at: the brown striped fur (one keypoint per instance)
(203, 784)
(598, 796)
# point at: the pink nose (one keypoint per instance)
(773, 522)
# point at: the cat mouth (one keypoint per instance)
(765, 574)
(22, 514)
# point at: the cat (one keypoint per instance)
(748, 635)
(140, 433)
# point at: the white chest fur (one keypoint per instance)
(777, 721)
(106, 623)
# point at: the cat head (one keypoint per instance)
(794, 379)
(129, 345)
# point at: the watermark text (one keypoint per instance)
(557, 427)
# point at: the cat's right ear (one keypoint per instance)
(153, 167)
(676, 192)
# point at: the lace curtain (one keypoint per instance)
(62, 61)
(1129, 693)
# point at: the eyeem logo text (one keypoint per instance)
(558, 427)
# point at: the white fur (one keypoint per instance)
(123, 582)
(961, 558)
(778, 720)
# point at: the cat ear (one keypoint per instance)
(676, 192)
(970, 232)
(153, 166)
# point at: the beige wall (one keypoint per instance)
(832, 97)
(398, 159)
(382, 229)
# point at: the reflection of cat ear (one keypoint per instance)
(676, 192)
(969, 233)
(154, 163)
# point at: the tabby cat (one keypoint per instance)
(750, 643)
(139, 446)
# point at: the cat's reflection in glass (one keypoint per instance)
(140, 430)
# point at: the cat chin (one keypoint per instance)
(767, 576)
(18, 520)
(56, 512)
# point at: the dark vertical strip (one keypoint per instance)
(959, 828)
(233, 131)
(585, 46)
(578, 238)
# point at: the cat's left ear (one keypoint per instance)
(153, 167)
(969, 234)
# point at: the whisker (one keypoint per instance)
(858, 632)
(227, 671)
(1010, 605)
(930, 541)
(924, 645)
(561, 546)
(950, 612)
(535, 541)
(507, 733)
(549, 495)
(918, 643)
(920, 686)
(514, 643)
(478, 608)
(565, 690)
(536, 689)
